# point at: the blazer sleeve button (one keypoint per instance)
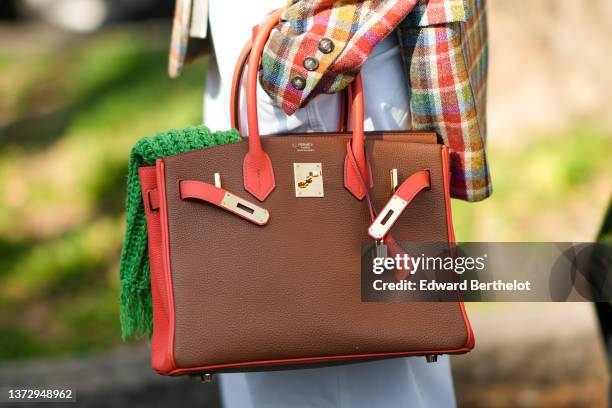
(311, 64)
(326, 45)
(298, 82)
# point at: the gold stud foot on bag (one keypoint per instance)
(207, 377)
(431, 358)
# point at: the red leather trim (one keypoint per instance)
(236, 85)
(168, 349)
(218, 367)
(152, 198)
(148, 181)
(446, 174)
(471, 340)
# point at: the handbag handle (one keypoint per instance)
(258, 172)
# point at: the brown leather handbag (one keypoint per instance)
(242, 285)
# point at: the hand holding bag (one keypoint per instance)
(243, 283)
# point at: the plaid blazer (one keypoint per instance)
(320, 45)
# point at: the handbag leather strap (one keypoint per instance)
(199, 190)
(236, 123)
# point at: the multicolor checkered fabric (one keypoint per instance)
(445, 50)
(180, 37)
(355, 27)
(446, 65)
(189, 40)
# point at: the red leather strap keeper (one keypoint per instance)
(406, 192)
(199, 190)
(153, 199)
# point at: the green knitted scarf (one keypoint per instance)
(135, 300)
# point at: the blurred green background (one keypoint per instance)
(68, 117)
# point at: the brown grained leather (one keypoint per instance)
(291, 289)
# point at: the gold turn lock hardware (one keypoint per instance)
(311, 176)
(308, 179)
